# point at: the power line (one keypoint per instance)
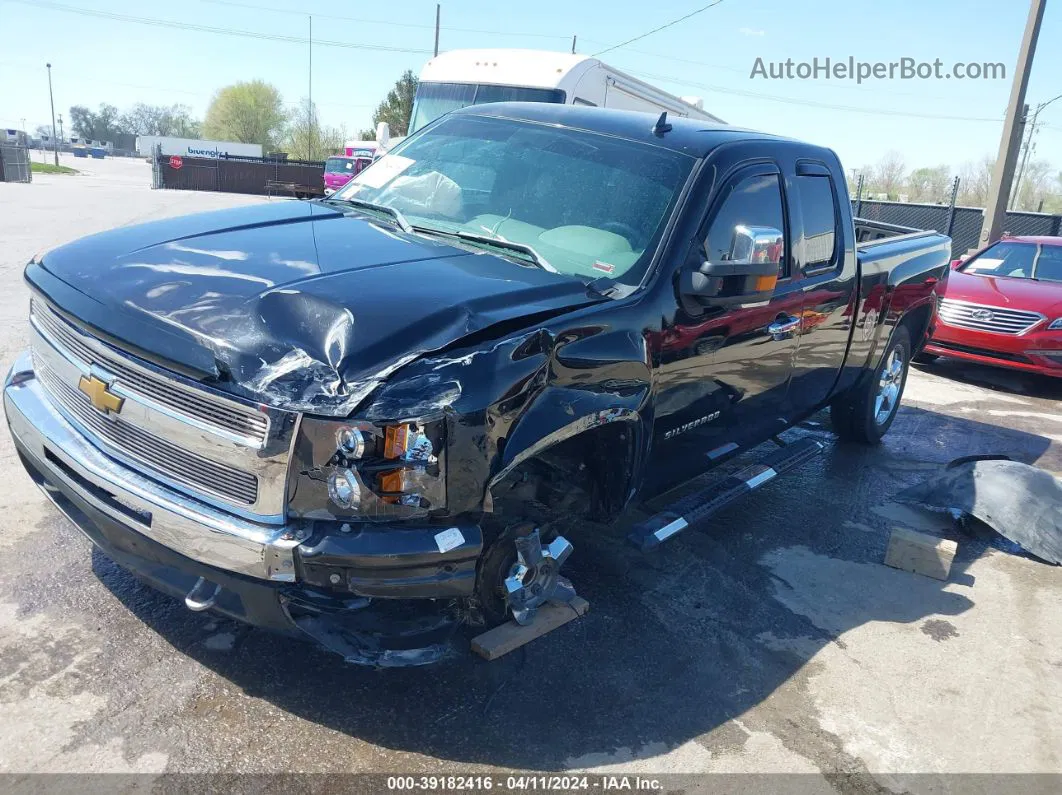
(819, 84)
(813, 103)
(657, 30)
(250, 34)
(391, 23)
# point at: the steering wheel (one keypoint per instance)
(626, 231)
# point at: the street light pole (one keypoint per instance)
(309, 99)
(51, 99)
(1003, 173)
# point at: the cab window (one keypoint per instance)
(821, 222)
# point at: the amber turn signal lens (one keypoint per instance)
(395, 438)
(390, 485)
(765, 283)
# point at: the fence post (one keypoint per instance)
(951, 206)
(859, 197)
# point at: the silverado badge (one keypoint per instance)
(99, 394)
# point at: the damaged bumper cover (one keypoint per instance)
(315, 578)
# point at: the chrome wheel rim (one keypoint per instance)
(889, 385)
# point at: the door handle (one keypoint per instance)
(779, 329)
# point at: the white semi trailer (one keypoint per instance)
(460, 78)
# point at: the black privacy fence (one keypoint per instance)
(262, 176)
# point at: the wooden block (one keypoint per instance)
(493, 643)
(920, 553)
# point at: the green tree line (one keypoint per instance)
(250, 112)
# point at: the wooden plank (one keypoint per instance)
(493, 643)
(920, 553)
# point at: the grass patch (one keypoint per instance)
(49, 168)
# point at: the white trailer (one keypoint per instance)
(460, 78)
(193, 147)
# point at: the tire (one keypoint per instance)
(926, 358)
(866, 414)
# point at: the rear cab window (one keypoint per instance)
(820, 240)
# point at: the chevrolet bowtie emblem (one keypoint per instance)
(101, 398)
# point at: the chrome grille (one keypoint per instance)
(197, 404)
(153, 452)
(981, 317)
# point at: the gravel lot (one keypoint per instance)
(772, 641)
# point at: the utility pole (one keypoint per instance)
(438, 13)
(1003, 173)
(573, 44)
(309, 98)
(51, 100)
(1026, 150)
(60, 127)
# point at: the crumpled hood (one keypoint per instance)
(296, 304)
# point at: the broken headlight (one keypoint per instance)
(357, 470)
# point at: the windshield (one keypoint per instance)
(435, 99)
(339, 165)
(591, 205)
(1018, 260)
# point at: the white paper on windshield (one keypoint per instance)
(384, 170)
(984, 264)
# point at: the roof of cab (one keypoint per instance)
(691, 136)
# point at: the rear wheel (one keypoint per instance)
(865, 414)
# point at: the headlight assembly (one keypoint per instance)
(1056, 325)
(355, 469)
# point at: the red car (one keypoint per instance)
(1003, 307)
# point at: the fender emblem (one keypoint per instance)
(692, 424)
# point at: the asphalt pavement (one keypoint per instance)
(772, 640)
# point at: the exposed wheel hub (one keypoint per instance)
(535, 577)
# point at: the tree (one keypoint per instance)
(142, 119)
(306, 138)
(397, 108)
(1035, 189)
(974, 181)
(889, 173)
(100, 126)
(930, 184)
(251, 112)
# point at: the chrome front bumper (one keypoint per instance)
(189, 527)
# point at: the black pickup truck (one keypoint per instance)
(345, 418)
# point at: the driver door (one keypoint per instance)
(724, 369)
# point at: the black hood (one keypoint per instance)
(296, 304)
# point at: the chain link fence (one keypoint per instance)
(962, 224)
(15, 163)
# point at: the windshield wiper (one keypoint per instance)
(399, 219)
(493, 242)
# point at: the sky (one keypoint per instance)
(360, 48)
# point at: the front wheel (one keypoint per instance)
(865, 414)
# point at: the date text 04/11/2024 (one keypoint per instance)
(541, 783)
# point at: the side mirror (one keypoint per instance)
(746, 274)
(955, 263)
